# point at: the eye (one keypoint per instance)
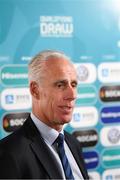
(74, 84)
(60, 85)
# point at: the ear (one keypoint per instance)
(34, 89)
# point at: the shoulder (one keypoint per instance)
(13, 141)
(20, 137)
(20, 140)
(17, 140)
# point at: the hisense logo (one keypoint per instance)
(14, 75)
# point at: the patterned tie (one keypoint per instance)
(63, 157)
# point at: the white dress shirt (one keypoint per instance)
(49, 135)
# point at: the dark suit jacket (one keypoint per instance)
(24, 155)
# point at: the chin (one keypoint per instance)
(65, 120)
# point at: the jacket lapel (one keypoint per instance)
(42, 151)
(77, 155)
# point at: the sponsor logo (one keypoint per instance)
(109, 57)
(86, 95)
(86, 138)
(94, 175)
(91, 159)
(110, 93)
(110, 136)
(26, 58)
(84, 57)
(109, 72)
(16, 98)
(110, 114)
(84, 117)
(14, 75)
(82, 73)
(56, 26)
(9, 99)
(86, 72)
(114, 135)
(111, 158)
(111, 174)
(13, 121)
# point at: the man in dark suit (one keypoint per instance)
(34, 151)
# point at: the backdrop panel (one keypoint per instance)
(89, 32)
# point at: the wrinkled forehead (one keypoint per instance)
(54, 65)
(60, 67)
(58, 63)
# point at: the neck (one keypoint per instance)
(53, 125)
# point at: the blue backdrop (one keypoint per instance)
(89, 32)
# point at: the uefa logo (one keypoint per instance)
(110, 136)
(82, 72)
(86, 72)
(114, 135)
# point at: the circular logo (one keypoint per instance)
(82, 72)
(114, 135)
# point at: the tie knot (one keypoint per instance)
(60, 139)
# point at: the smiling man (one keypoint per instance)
(41, 149)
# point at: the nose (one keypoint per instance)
(70, 93)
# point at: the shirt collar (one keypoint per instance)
(49, 134)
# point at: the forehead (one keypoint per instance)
(58, 68)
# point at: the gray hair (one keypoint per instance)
(37, 64)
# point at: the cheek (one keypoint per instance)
(44, 100)
(53, 105)
(51, 100)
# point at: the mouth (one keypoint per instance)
(66, 109)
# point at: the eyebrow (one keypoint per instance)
(64, 81)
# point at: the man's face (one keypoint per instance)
(58, 93)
